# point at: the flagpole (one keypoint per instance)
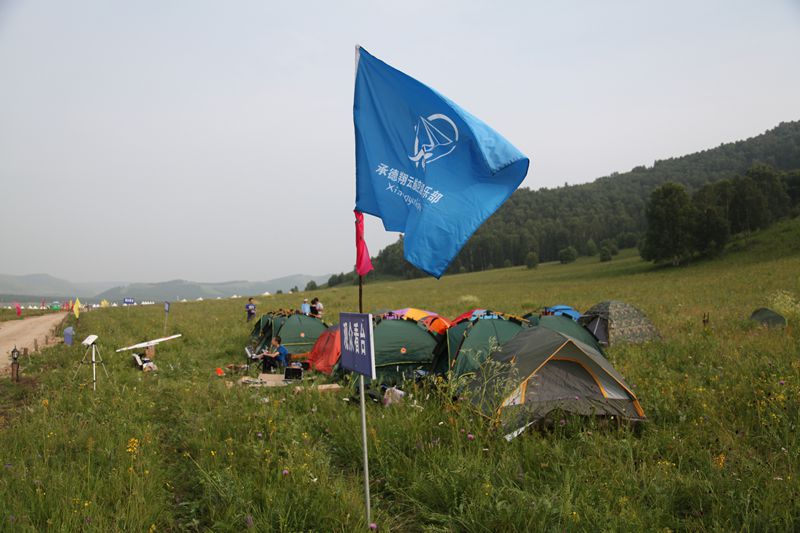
(364, 414)
(361, 376)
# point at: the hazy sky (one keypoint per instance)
(151, 140)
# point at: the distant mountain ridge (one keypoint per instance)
(47, 286)
(191, 290)
(36, 286)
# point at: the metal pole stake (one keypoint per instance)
(364, 445)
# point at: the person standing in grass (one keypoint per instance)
(250, 307)
(316, 308)
(278, 357)
(305, 308)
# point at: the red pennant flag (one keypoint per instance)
(363, 263)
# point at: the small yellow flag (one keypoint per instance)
(77, 308)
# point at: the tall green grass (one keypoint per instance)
(184, 450)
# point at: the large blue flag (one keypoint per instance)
(426, 167)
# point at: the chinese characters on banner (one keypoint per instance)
(358, 349)
(402, 184)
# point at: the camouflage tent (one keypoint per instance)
(613, 321)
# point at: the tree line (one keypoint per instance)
(681, 226)
(610, 210)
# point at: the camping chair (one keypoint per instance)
(251, 356)
(257, 358)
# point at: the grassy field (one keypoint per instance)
(11, 314)
(184, 450)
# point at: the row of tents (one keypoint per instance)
(526, 366)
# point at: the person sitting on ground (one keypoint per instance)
(305, 308)
(278, 357)
(316, 308)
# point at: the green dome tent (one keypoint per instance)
(567, 326)
(447, 348)
(298, 332)
(768, 317)
(401, 348)
(613, 321)
(262, 327)
(542, 370)
(480, 337)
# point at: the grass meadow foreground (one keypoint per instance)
(182, 449)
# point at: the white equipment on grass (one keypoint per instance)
(149, 344)
(91, 345)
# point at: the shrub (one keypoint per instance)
(567, 255)
(532, 260)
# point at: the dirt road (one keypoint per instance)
(22, 332)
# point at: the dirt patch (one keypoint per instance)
(25, 334)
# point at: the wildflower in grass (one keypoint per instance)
(45, 402)
(285, 472)
(719, 461)
(133, 446)
(213, 453)
(248, 521)
(152, 528)
(470, 436)
(562, 422)
(373, 526)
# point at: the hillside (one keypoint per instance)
(47, 286)
(184, 449)
(191, 290)
(35, 286)
(611, 207)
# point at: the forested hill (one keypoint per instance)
(548, 220)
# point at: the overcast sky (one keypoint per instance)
(151, 140)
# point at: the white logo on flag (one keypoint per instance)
(436, 136)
